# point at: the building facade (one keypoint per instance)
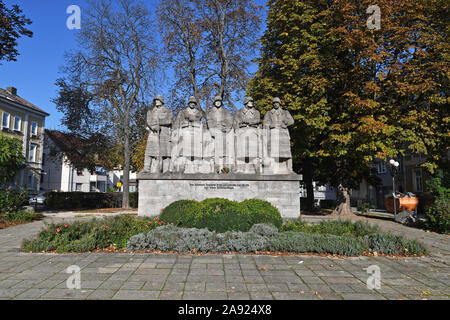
(23, 120)
(61, 176)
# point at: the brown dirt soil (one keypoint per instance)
(5, 224)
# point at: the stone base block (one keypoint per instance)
(156, 191)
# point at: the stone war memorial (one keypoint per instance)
(200, 155)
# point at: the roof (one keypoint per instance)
(14, 98)
(66, 141)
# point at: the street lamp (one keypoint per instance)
(394, 171)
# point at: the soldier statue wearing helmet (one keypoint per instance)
(248, 146)
(220, 125)
(277, 144)
(159, 122)
(189, 146)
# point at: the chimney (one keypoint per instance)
(12, 90)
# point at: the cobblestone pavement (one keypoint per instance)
(192, 277)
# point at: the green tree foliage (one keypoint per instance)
(357, 93)
(11, 158)
(12, 26)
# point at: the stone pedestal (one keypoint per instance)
(156, 191)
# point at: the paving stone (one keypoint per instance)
(261, 296)
(293, 296)
(238, 296)
(136, 295)
(111, 284)
(31, 294)
(194, 295)
(362, 296)
(136, 285)
(67, 293)
(171, 295)
(102, 294)
(195, 286)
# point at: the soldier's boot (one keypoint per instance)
(147, 164)
(166, 165)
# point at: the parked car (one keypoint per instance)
(36, 199)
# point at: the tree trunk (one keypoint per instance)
(126, 164)
(308, 179)
(343, 209)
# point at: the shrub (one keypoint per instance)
(181, 213)
(328, 204)
(438, 213)
(264, 230)
(391, 244)
(261, 211)
(221, 215)
(319, 243)
(336, 227)
(22, 216)
(170, 238)
(87, 200)
(12, 200)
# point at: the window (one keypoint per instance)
(33, 149)
(417, 176)
(78, 187)
(34, 128)
(79, 172)
(5, 120)
(17, 124)
(381, 167)
(30, 182)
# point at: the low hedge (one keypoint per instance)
(171, 238)
(87, 200)
(221, 215)
(335, 227)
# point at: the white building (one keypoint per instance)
(321, 192)
(61, 176)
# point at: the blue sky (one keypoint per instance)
(41, 57)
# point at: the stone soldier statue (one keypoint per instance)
(248, 147)
(220, 124)
(190, 140)
(158, 151)
(277, 139)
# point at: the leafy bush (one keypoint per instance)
(264, 230)
(391, 244)
(170, 238)
(221, 215)
(87, 200)
(83, 236)
(365, 207)
(181, 213)
(336, 227)
(438, 213)
(328, 204)
(319, 243)
(261, 211)
(12, 200)
(21, 216)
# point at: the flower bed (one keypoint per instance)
(85, 236)
(129, 233)
(264, 238)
